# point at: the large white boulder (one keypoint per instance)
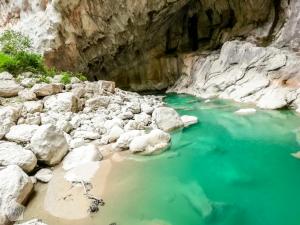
(21, 133)
(154, 142)
(49, 144)
(189, 120)
(9, 88)
(14, 154)
(167, 118)
(63, 102)
(81, 155)
(15, 188)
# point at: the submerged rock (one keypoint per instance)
(189, 120)
(245, 111)
(154, 142)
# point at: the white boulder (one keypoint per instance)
(9, 88)
(14, 154)
(115, 133)
(125, 139)
(42, 90)
(27, 95)
(15, 188)
(63, 102)
(49, 144)
(44, 175)
(33, 106)
(81, 155)
(6, 76)
(97, 102)
(21, 133)
(167, 118)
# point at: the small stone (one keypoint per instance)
(44, 175)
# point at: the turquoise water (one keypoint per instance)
(226, 170)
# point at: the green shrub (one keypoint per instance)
(23, 62)
(16, 58)
(13, 42)
(66, 78)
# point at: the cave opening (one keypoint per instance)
(193, 32)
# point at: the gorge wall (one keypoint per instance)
(138, 43)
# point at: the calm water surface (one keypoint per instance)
(226, 170)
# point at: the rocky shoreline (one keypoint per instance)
(76, 125)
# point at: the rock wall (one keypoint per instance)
(268, 77)
(136, 43)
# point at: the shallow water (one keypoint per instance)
(226, 170)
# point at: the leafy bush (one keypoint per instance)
(66, 78)
(21, 62)
(13, 42)
(16, 58)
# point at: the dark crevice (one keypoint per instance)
(193, 32)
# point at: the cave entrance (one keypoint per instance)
(193, 32)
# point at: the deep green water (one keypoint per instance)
(226, 170)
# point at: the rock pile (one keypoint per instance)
(42, 124)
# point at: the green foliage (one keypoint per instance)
(22, 62)
(16, 58)
(13, 42)
(80, 76)
(66, 78)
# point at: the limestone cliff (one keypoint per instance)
(136, 42)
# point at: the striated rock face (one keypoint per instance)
(268, 77)
(133, 41)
